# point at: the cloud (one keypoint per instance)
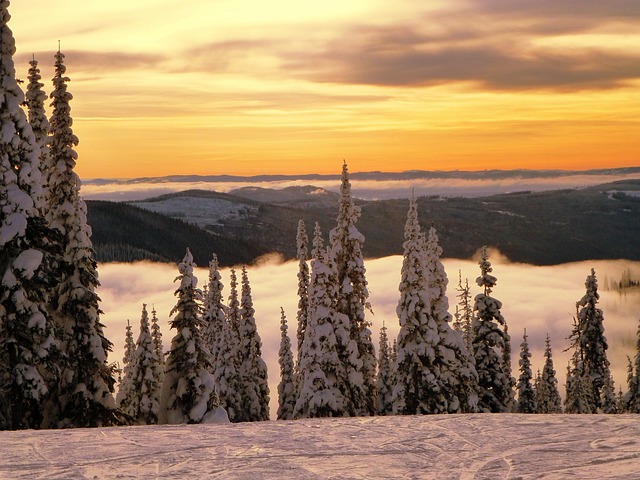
(92, 62)
(501, 60)
(448, 184)
(540, 299)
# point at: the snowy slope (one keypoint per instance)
(198, 210)
(461, 447)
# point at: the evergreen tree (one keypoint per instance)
(286, 387)
(434, 369)
(589, 340)
(142, 377)
(632, 398)
(549, 400)
(214, 311)
(324, 383)
(156, 334)
(526, 392)
(188, 394)
(465, 311)
(385, 375)
(415, 381)
(578, 387)
(34, 100)
(609, 400)
(85, 392)
(352, 295)
(302, 245)
(227, 378)
(29, 251)
(495, 385)
(126, 392)
(253, 369)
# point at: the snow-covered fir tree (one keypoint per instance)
(29, 360)
(547, 393)
(302, 252)
(126, 393)
(188, 394)
(632, 398)
(435, 373)
(253, 369)
(214, 310)
(156, 334)
(34, 100)
(286, 388)
(578, 387)
(495, 386)
(323, 386)
(526, 393)
(85, 392)
(465, 311)
(609, 400)
(142, 377)
(385, 375)
(457, 372)
(227, 378)
(589, 340)
(352, 300)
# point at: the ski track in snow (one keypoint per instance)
(460, 447)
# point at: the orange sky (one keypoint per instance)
(250, 87)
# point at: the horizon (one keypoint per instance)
(288, 88)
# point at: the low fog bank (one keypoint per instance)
(540, 299)
(363, 188)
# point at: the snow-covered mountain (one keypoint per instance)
(463, 447)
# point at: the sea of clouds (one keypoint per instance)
(372, 186)
(540, 299)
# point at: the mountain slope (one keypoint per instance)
(123, 232)
(532, 227)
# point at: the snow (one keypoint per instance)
(28, 262)
(465, 447)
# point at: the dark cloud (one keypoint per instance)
(496, 45)
(91, 61)
(493, 66)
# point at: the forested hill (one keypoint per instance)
(542, 228)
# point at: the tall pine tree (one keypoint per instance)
(352, 299)
(302, 248)
(214, 311)
(29, 354)
(495, 386)
(253, 369)
(227, 377)
(632, 398)
(188, 394)
(85, 392)
(548, 396)
(142, 376)
(323, 386)
(592, 342)
(286, 387)
(385, 379)
(526, 393)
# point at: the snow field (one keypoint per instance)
(462, 447)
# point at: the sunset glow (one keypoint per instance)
(245, 87)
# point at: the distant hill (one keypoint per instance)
(541, 228)
(124, 233)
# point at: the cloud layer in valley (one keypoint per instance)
(540, 299)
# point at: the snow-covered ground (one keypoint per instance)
(460, 447)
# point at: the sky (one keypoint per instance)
(247, 87)
(540, 299)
